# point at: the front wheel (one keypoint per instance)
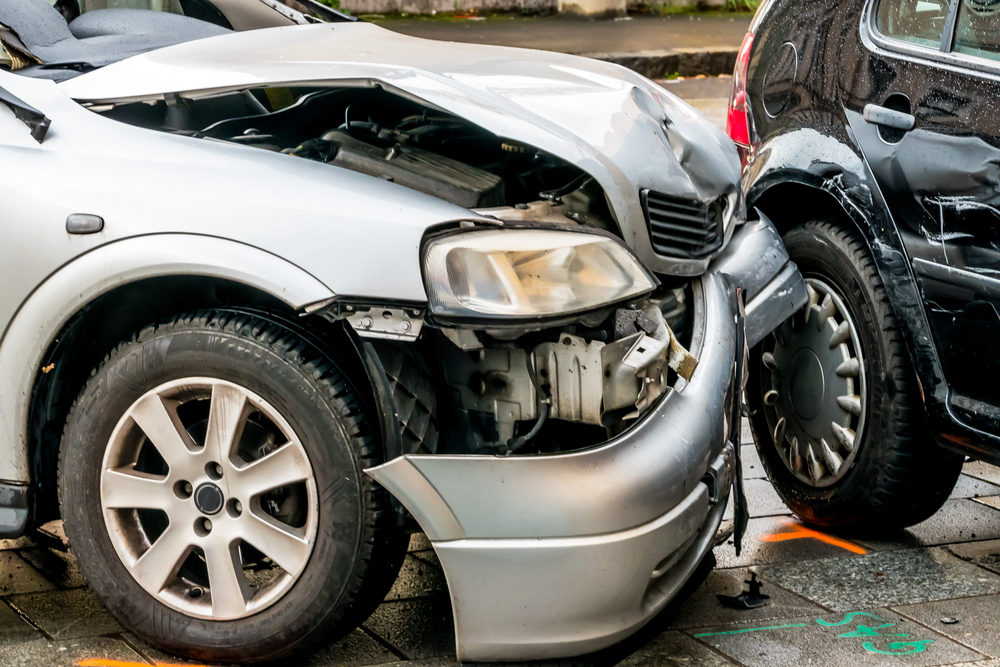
(833, 399)
(212, 488)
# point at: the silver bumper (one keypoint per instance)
(560, 555)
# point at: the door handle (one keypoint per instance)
(897, 120)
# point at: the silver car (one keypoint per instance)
(274, 299)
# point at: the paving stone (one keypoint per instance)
(96, 651)
(883, 579)
(702, 607)
(417, 579)
(59, 567)
(418, 629)
(438, 662)
(17, 543)
(990, 501)
(985, 554)
(17, 576)
(960, 520)
(752, 467)
(357, 648)
(978, 620)
(157, 656)
(674, 648)
(803, 641)
(971, 487)
(419, 542)
(981, 470)
(429, 557)
(762, 500)
(13, 628)
(66, 614)
(764, 543)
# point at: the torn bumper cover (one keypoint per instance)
(630, 519)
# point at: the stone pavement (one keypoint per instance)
(654, 46)
(929, 595)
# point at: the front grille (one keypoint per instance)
(684, 228)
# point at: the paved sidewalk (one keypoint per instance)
(653, 46)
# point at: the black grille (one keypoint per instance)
(685, 228)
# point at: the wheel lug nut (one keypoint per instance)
(202, 527)
(213, 470)
(183, 489)
(234, 507)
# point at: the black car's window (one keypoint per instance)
(977, 30)
(918, 21)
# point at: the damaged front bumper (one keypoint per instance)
(560, 555)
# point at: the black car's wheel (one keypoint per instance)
(834, 402)
(212, 488)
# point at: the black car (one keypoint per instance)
(870, 134)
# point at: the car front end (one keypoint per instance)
(571, 540)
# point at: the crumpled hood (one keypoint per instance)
(621, 128)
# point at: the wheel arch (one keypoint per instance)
(792, 196)
(80, 313)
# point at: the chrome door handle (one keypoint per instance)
(897, 120)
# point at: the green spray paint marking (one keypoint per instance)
(861, 631)
(848, 618)
(737, 632)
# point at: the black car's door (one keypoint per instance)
(924, 104)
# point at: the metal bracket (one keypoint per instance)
(386, 323)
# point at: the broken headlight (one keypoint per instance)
(529, 273)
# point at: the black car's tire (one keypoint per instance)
(287, 384)
(894, 476)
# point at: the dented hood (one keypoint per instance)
(621, 128)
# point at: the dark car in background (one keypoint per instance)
(870, 135)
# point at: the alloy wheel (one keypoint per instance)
(209, 498)
(814, 385)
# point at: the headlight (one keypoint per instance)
(528, 273)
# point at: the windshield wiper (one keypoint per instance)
(36, 121)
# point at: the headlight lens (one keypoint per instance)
(528, 273)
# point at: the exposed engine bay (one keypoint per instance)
(376, 132)
(528, 388)
(556, 389)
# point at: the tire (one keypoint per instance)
(876, 467)
(315, 556)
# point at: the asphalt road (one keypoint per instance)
(929, 595)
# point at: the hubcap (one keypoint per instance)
(209, 498)
(814, 385)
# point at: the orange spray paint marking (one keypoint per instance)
(104, 662)
(799, 532)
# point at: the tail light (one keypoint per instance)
(738, 117)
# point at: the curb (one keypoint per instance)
(662, 64)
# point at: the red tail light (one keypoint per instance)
(738, 118)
